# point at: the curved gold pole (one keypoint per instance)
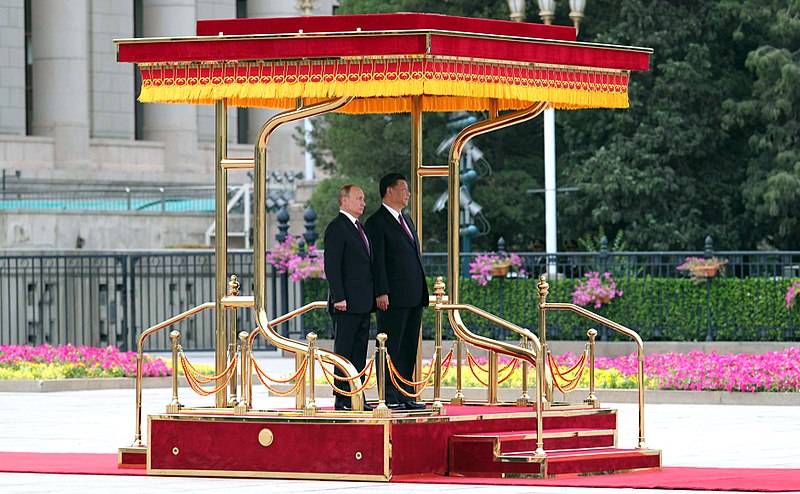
(620, 329)
(259, 240)
(453, 241)
(453, 196)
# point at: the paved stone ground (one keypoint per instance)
(101, 421)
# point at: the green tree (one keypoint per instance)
(708, 146)
(769, 117)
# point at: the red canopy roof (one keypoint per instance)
(454, 63)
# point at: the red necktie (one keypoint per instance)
(363, 235)
(405, 227)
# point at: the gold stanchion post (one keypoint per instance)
(311, 407)
(245, 375)
(438, 290)
(493, 377)
(381, 410)
(524, 398)
(174, 405)
(544, 287)
(233, 291)
(592, 399)
(458, 399)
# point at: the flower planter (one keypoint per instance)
(705, 271)
(500, 270)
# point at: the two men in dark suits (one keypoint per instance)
(400, 286)
(351, 298)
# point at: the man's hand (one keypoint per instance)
(340, 305)
(382, 302)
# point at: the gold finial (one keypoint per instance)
(438, 289)
(592, 334)
(233, 286)
(381, 337)
(543, 289)
(311, 336)
(174, 335)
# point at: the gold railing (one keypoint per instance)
(137, 441)
(544, 306)
(535, 357)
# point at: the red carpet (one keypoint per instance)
(720, 479)
(78, 463)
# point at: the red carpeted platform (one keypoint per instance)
(720, 479)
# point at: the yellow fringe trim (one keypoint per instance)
(385, 88)
(436, 96)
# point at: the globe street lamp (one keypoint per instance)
(547, 10)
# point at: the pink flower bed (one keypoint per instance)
(697, 371)
(108, 359)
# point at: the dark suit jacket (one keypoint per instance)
(348, 267)
(396, 260)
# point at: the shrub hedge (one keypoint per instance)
(729, 309)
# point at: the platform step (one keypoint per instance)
(132, 457)
(588, 461)
(553, 439)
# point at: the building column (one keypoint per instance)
(173, 124)
(59, 41)
(12, 66)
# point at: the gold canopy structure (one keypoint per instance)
(373, 64)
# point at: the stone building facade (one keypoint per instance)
(69, 119)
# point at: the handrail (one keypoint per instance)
(287, 344)
(620, 329)
(137, 441)
(505, 348)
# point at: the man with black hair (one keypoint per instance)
(400, 286)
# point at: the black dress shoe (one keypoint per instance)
(348, 408)
(413, 405)
(394, 405)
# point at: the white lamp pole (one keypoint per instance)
(306, 7)
(547, 10)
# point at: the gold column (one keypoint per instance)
(221, 245)
(416, 195)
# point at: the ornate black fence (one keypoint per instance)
(110, 298)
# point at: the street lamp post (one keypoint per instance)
(547, 10)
